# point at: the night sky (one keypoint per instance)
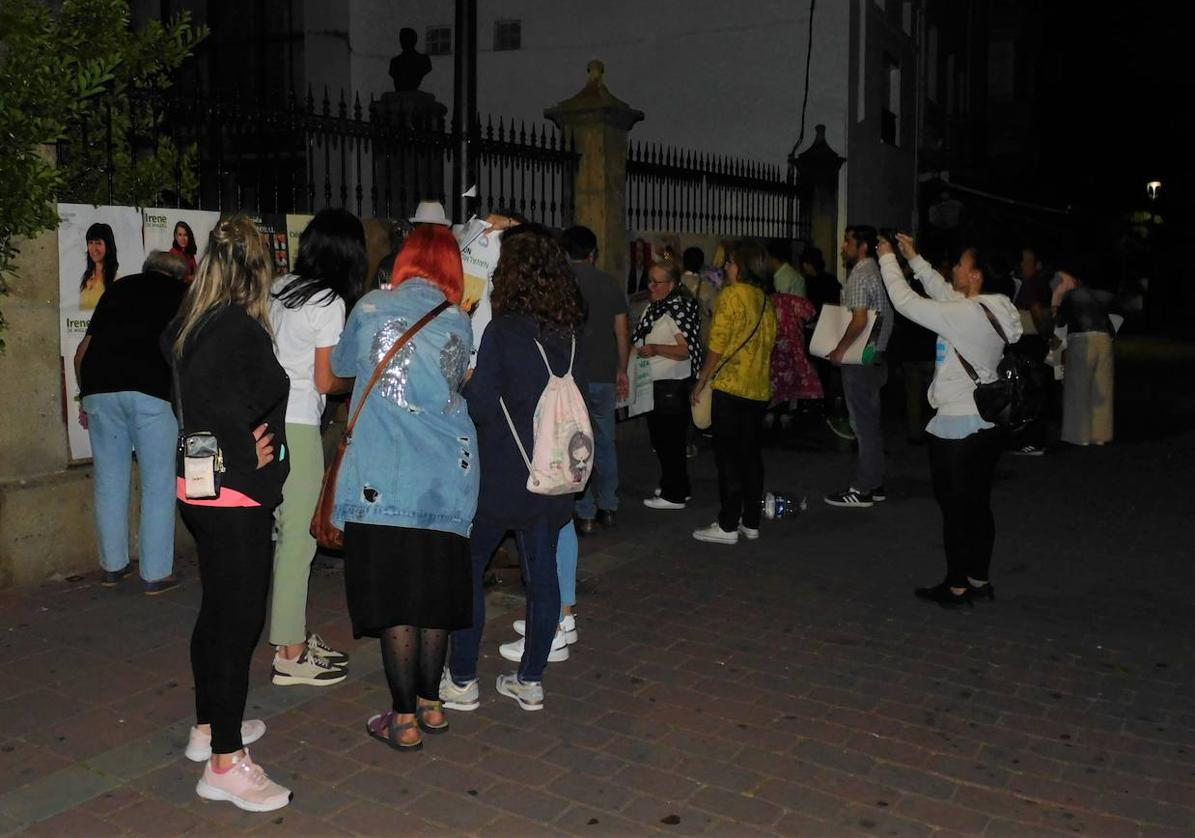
(1115, 102)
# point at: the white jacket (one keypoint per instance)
(962, 327)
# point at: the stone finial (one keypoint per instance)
(819, 160)
(594, 102)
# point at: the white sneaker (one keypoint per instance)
(456, 697)
(245, 786)
(748, 533)
(567, 627)
(714, 534)
(513, 651)
(529, 694)
(658, 502)
(307, 669)
(199, 745)
(658, 491)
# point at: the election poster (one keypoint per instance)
(179, 231)
(296, 223)
(272, 227)
(480, 245)
(96, 245)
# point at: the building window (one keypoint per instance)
(508, 35)
(439, 40)
(890, 115)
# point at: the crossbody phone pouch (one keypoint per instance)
(203, 461)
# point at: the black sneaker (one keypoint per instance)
(851, 498)
(111, 578)
(879, 493)
(607, 518)
(945, 597)
(161, 586)
(1030, 451)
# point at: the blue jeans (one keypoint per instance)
(119, 424)
(537, 552)
(566, 565)
(602, 491)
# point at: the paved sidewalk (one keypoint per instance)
(791, 685)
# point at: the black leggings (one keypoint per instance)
(737, 425)
(962, 471)
(235, 556)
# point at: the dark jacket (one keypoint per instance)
(123, 354)
(231, 383)
(509, 366)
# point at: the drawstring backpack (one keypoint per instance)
(562, 453)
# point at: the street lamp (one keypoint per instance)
(1153, 188)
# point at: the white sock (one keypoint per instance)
(978, 583)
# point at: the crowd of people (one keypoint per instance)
(446, 405)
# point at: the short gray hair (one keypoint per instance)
(161, 262)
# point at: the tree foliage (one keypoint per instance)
(62, 71)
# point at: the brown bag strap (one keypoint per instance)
(387, 358)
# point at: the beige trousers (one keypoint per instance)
(1087, 389)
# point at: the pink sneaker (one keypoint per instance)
(245, 786)
(199, 744)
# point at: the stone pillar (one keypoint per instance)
(46, 509)
(817, 183)
(599, 123)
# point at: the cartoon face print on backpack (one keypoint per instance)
(580, 450)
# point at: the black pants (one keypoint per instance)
(235, 557)
(962, 471)
(669, 431)
(738, 425)
(1037, 432)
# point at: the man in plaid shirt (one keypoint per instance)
(861, 383)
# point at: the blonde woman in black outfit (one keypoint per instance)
(231, 385)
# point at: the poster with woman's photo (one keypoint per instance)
(96, 245)
(178, 231)
(273, 232)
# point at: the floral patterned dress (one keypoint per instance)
(793, 376)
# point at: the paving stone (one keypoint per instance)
(455, 811)
(54, 794)
(737, 807)
(581, 820)
(533, 804)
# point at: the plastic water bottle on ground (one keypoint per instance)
(777, 506)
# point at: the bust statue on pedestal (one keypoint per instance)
(410, 66)
(407, 105)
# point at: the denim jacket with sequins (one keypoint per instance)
(413, 458)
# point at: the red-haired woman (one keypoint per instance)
(407, 489)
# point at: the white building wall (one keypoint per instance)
(710, 76)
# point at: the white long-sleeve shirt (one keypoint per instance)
(962, 327)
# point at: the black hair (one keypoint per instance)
(192, 248)
(693, 259)
(813, 256)
(579, 242)
(407, 37)
(780, 249)
(865, 234)
(994, 281)
(103, 233)
(331, 260)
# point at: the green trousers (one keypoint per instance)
(295, 548)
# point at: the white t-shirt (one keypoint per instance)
(297, 334)
(665, 331)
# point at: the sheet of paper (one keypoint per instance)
(831, 326)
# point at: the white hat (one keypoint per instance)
(430, 212)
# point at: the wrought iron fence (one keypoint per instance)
(681, 191)
(302, 155)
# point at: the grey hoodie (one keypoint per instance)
(962, 327)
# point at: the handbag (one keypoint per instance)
(202, 459)
(1017, 395)
(327, 534)
(703, 399)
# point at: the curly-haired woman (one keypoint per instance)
(537, 308)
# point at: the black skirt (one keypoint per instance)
(399, 576)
